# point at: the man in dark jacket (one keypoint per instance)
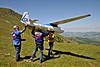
(39, 40)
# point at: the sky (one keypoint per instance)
(47, 11)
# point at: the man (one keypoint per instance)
(39, 41)
(16, 34)
(51, 42)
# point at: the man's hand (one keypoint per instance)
(24, 28)
(26, 24)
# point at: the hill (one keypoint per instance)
(9, 18)
(67, 53)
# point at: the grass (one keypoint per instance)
(68, 55)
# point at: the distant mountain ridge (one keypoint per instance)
(91, 35)
(84, 37)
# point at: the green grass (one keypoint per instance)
(70, 55)
(66, 54)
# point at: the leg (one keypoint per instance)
(41, 55)
(34, 52)
(17, 48)
(50, 49)
(41, 52)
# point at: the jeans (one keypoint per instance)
(40, 46)
(50, 48)
(17, 48)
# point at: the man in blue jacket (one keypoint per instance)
(16, 34)
(38, 35)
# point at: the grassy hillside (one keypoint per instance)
(67, 53)
(9, 18)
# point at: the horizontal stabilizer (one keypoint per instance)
(33, 20)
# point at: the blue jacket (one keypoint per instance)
(16, 37)
(39, 36)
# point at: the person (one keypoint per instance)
(50, 42)
(39, 41)
(16, 34)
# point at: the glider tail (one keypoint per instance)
(25, 18)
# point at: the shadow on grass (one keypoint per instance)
(57, 52)
(28, 58)
(24, 58)
(35, 59)
(49, 58)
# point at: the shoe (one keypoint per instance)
(17, 60)
(34, 57)
(48, 57)
(51, 56)
(40, 61)
(31, 59)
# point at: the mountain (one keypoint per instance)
(9, 18)
(84, 37)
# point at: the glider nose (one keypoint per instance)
(62, 29)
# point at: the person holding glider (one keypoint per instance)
(16, 35)
(39, 41)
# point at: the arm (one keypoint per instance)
(45, 34)
(33, 33)
(23, 29)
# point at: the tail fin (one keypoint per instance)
(25, 18)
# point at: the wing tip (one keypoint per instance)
(89, 15)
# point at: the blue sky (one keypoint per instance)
(53, 10)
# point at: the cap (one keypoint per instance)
(15, 26)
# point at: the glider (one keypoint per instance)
(54, 26)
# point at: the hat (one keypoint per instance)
(15, 26)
